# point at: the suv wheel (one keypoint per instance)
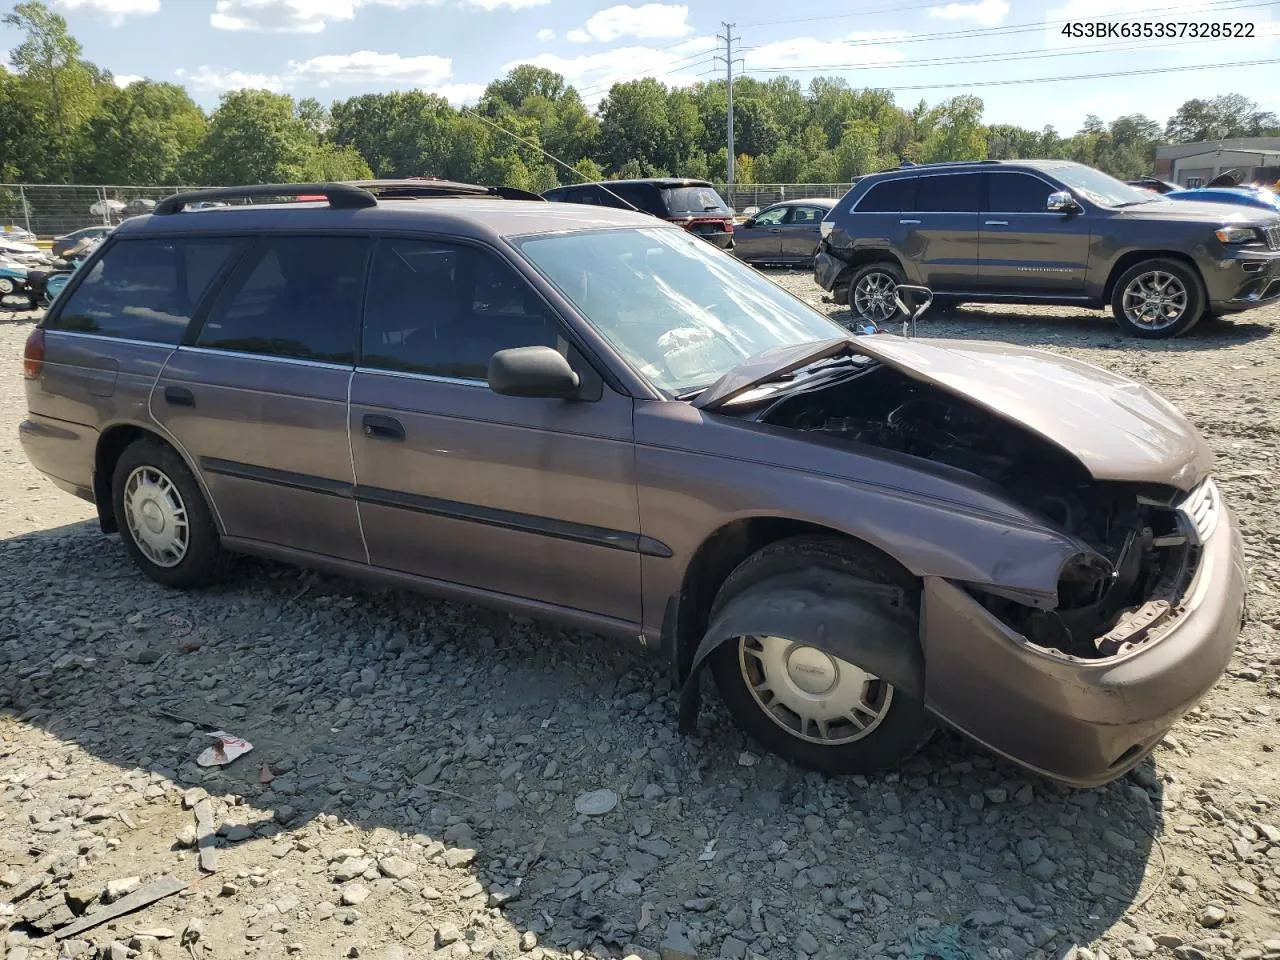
(165, 524)
(871, 293)
(1157, 299)
(801, 703)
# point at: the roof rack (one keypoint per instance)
(348, 195)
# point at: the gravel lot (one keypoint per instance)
(422, 761)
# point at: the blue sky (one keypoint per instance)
(332, 49)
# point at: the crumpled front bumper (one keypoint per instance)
(1081, 722)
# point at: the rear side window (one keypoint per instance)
(1017, 193)
(682, 201)
(891, 196)
(294, 297)
(957, 193)
(145, 289)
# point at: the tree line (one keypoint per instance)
(64, 120)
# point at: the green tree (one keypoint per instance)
(956, 131)
(399, 134)
(635, 129)
(144, 133)
(587, 169)
(256, 137)
(1230, 115)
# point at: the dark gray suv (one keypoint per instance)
(1046, 232)
(585, 414)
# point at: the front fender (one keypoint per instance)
(869, 624)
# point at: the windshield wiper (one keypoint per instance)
(693, 393)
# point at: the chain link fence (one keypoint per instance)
(744, 195)
(50, 211)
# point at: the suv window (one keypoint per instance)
(295, 297)
(145, 289)
(891, 196)
(443, 309)
(1017, 193)
(953, 193)
(693, 200)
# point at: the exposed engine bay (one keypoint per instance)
(1119, 597)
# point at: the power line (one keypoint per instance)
(1003, 57)
(1080, 76)
(675, 67)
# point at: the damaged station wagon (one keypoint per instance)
(580, 414)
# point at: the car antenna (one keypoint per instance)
(553, 159)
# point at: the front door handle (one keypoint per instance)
(179, 397)
(997, 223)
(775, 229)
(383, 428)
(908, 221)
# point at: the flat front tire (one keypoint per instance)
(1158, 299)
(802, 703)
(164, 521)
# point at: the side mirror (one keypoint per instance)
(532, 372)
(1061, 201)
(749, 222)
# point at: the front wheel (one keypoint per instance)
(167, 528)
(7, 286)
(1158, 299)
(801, 703)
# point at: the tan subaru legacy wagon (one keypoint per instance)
(587, 415)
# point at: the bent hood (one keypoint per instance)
(1116, 428)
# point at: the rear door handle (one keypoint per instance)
(908, 221)
(775, 229)
(179, 397)
(383, 428)
(997, 223)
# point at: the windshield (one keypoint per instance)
(695, 200)
(680, 311)
(1098, 187)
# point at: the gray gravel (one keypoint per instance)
(416, 764)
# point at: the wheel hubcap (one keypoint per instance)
(6, 286)
(156, 516)
(873, 297)
(1155, 300)
(811, 694)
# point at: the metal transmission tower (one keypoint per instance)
(729, 60)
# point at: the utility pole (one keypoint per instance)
(728, 58)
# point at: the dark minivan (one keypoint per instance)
(692, 204)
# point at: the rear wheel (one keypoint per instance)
(6, 286)
(871, 290)
(801, 703)
(1158, 299)
(166, 526)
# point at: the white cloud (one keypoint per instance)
(646, 22)
(280, 16)
(116, 11)
(546, 33)
(508, 4)
(220, 81)
(366, 66)
(123, 80)
(985, 13)
(459, 93)
(855, 49)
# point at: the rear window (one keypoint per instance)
(145, 289)
(682, 201)
(891, 196)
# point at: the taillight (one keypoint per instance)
(33, 354)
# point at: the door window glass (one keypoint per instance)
(444, 310)
(771, 218)
(956, 193)
(892, 196)
(1018, 193)
(807, 215)
(298, 297)
(145, 289)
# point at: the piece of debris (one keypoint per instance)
(265, 775)
(228, 747)
(676, 945)
(596, 803)
(164, 887)
(205, 836)
(192, 932)
(120, 888)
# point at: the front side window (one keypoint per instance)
(145, 289)
(296, 297)
(443, 310)
(771, 218)
(680, 312)
(1017, 193)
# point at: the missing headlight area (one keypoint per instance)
(1144, 542)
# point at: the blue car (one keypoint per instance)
(1240, 196)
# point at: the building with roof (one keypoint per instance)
(1195, 164)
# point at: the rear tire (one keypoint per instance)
(870, 294)
(893, 724)
(165, 523)
(1158, 299)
